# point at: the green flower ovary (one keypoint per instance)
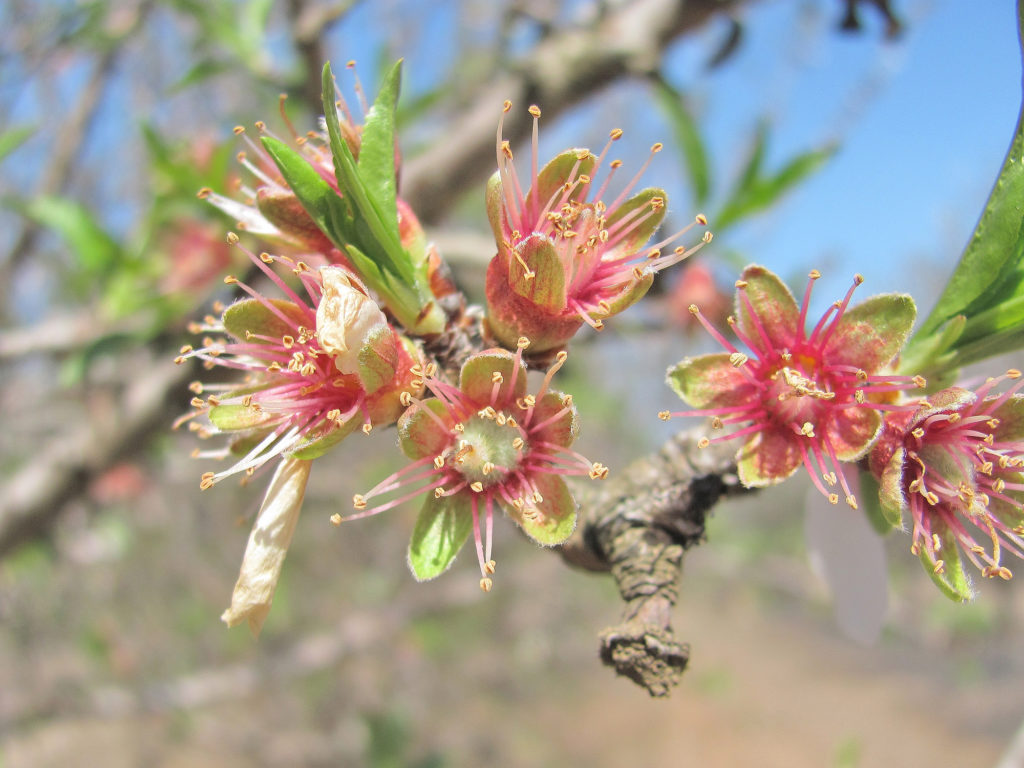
(489, 449)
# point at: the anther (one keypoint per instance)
(534, 110)
(490, 566)
(616, 134)
(703, 443)
(206, 481)
(702, 219)
(358, 501)
(476, 487)
(486, 584)
(232, 238)
(335, 519)
(664, 415)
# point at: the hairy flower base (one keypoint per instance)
(955, 468)
(798, 398)
(566, 256)
(483, 445)
(295, 398)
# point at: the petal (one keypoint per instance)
(477, 378)
(769, 457)
(563, 429)
(441, 529)
(711, 381)
(419, 434)
(776, 309)
(268, 544)
(553, 520)
(853, 430)
(871, 334)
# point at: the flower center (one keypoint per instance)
(490, 448)
(794, 398)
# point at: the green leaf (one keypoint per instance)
(687, 137)
(383, 245)
(376, 163)
(441, 530)
(13, 138)
(759, 194)
(96, 251)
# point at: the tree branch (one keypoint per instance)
(637, 526)
(559, 72)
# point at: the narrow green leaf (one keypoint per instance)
(687, 137)
(384, 235)
(13, 138)
(377, 150)
(441, 529)
(880, 518)
(763, 193)
(96, 251)
(755, 160)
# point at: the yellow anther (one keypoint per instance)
(487, 468)
(367, 428)
(707, 237)
(703, 443)
(615, 134)
(664, 415)
(230, 280)
(486, 584)
(490, 566)
(439, 492)
(506, 106)
(534, 110)
(232, 238)
(336, 519)
(814, 274)
(496, 377)
(657, 147)
(358, 501)
(518, 443)
(736, 359)
(702, 219)
(476, 487)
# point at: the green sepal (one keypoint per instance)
(871, 334)
(563, 429)
(635, 290)
(707, 381)
(1011, 418)
(475, 379)
(892, 499)
(441, 530)
(557, 512)
(953, 581)
(378, 360)
(495, 203)
(233, 418)
(554, 175)
(544, 285)
(318, 446)
(881, 519)
(419, 434)
(256, 317)
(774, 305)
(640, 233)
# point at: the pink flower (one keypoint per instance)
(798, 398)
(566, 256)
(482, 446)
(317, 364)
(955, 467)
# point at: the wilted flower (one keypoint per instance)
(316, 367)
(801, 398)
(483, 445)
(566, 256)
(955, 467)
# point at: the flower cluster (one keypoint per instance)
(484, 445)
(800, 398)
(955, 467)
(566, 256)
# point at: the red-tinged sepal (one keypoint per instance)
(777, 313)
(536, 273)
(769, 457)
(477, 379)
(870, 334)
(552, 520)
